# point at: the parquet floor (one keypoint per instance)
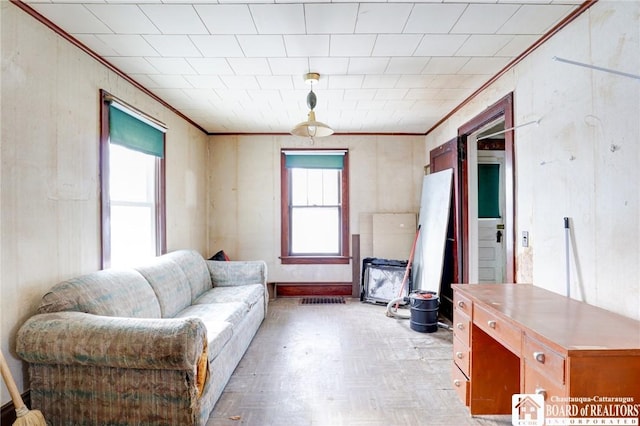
(343, 365)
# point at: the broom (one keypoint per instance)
(25, 417)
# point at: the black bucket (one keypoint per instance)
(424, 311)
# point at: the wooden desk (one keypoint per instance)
(518, 338)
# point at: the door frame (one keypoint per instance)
(503, 108)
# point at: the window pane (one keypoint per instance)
(131, 174)
(132, 235)
(331, 187)
(299, 187)
(315, 187)
(315, 230)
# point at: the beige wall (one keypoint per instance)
(49, 223)
(385, 175)
(581, 161)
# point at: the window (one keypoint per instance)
(132, 182)
(315, 206)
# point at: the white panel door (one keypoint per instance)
(491, 246)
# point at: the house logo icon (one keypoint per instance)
(527, 410)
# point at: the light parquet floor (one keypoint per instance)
(343, 365)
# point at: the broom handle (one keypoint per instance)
(11, 385)
(409, 262)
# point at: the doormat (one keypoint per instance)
(321, 300)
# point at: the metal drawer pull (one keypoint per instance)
(460, 326)
(459, 355)
(541, 391)
(492, 324)
(461, 304)
(539, 356)
(457, 383)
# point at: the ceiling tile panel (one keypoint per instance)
(173, 45)
(128, 45)
(483, 45)
(175, 18)
(352, 45)
(346, 81)
(250, 66)
(227, 18)
(288, 66)
(379, 81)
(440, 44)
(374, 18)
(368, 65)
(171, 65)
(268, 82)
(330, 18)
(433, 18)
(217, 46)
(327, 66)
(132, 65)
(124, 18)
(534, 19)
(484, 18)
(306, 45)
(73, 18)
(445, 65)
(396, 44)
(278, 18)
(205, 81)
(210, 66)
(262, 45)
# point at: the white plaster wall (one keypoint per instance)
(50, 217)
(385, 176)
(581, 161)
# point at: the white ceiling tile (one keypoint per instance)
(128, 45)
(170, 81)
(268, 82)
(132, 65)
(368, 65)
(173, 45)
(445, 65)
(396, 44)
(433, 18)
(124, 18)
(306, 45)
(483, 45)
(288, 66)
(97, 45)
(247, 82)
(379, 81)
(517, 45)
(376, 18)
(175, 18)
(331, 18)
(326, 66)
(73, 18)
(227, 18)
(205, 81)
(217, 46)
(440, 44)
(262, 45)
(406, 65)
(171, 65)
(421, 94)
(359, 94)
(413, 81)
(534, 19)
(346, 81)
(486, 66)
(390, 94)
(250, 66)
(206, 66)
(371, 105)
(484, 18)
(278, 18)
(352, 44)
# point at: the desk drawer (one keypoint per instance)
(462, 303)
(460, 384)
(461, 355)
(535, 382)
(498, 327)
(461, 326)
(543, 359)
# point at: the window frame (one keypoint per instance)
(105, 199)
(286, 257)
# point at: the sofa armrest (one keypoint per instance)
(225, 274)
(86, 339)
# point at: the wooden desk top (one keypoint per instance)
(568, 325)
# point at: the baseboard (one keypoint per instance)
(8, 411)
(300, 289)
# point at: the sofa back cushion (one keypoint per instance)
(169, 283)
(110, 292)
(195, 268)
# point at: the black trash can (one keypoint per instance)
(424, 311)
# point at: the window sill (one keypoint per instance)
(315, 260)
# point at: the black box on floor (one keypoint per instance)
(382, 280)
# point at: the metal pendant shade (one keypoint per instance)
(312, 128)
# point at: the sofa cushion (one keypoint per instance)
(195, 268)
(232, 312)
(218, 332)
(169, 283)
(249, 294)
(110, 292)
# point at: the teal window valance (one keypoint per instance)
(127, 130)
(315, 161)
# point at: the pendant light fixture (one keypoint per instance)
(312, 128)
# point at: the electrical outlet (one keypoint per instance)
(525, 238)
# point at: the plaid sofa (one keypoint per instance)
(153, 345)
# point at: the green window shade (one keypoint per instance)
(488, 190)
(130, 132)
(314, 161)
